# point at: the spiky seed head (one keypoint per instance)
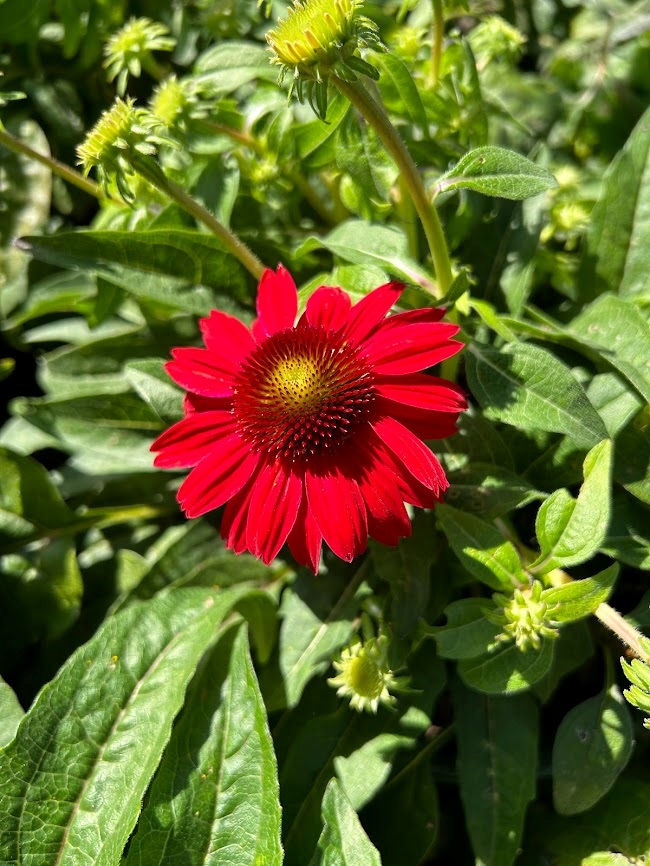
(364, 675)
(525, 616)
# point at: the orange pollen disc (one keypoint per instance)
(301, 393)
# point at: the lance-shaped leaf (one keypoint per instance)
(221, 768)
(497, 763)
(617, 252)
(569, 530)
(343, 841)
(73, 779)
(497, 171)
(579, 598)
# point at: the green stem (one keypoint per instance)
(59, 168)
(437, 35)
(622, 629)
(152, 172)
(375, 115)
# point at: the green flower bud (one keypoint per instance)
(638, 673)
(121, 133)
(319, 37)
(525, 617)
(130, 49)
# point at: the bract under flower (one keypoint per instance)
(312, 431)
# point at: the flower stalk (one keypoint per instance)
(625, 632)
(58, 168)
(437, 37)
(375, 115)
(151, 171)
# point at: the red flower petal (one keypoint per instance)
(218, 476)
(305, 539)
(412, 452)
(339, 511)
(411, 349)
(424, 423)
(273, 509)
(426, 316)
(328, 307)
(370, 310)
(202, 372)
(277, 301)
(387, 517)
(196, 403)
(426, 392)
(235, 518)
(187, 442)
(227, 336)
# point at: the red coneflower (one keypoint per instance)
(313, 430)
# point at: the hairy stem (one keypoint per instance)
(59, 168)
(152, 172)
(437, 35)
(375, 115)
(622, 629)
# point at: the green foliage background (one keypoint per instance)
(178, 710)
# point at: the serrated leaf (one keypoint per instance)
(497, 171)
(571, 531)
(592, 747)
(221, 767)
(616, 252)
(505, 669)
(579, 598)
(529, 388)
(481, 548)
(106, 716)
(343, 841)
(497, 764)
(468, 632)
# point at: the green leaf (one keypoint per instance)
(592, 747)
(628, 537)
(406, 568)
(481, 548)
(189, 554)
(497, 764)
(621, 334)
(399, 89)
(229, 65)
(170, 266)
(362, 243)
(316, 623)
(149, 378)
(496, 171)
(488, 491)
(616, 254)
(505, 669)
(11, 714)
(468, 632)
(579, 598)
(30, 505)
(343, 841)
(571, 531)
(529, 388)
(109, 433)
(631, 467)
(93, 737)
(316, 141)
(221, 767)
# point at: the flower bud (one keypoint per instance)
(365, 676)
(525, 617)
